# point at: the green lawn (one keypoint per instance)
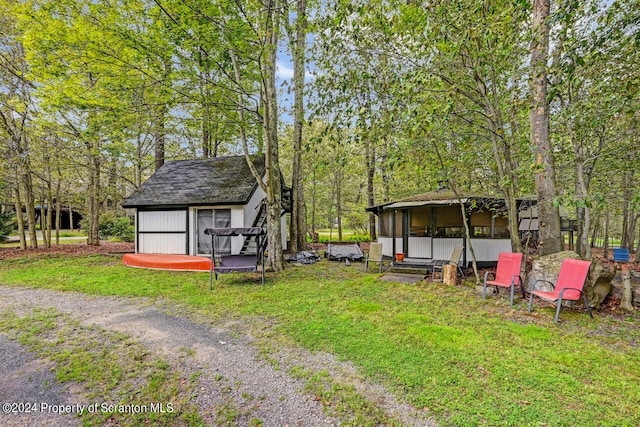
(348, 235)
(68, 237)
(444, 349)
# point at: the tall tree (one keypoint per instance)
(16, 116)
(550, 239)
(298, 42)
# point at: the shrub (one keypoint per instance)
(359, 238)
(116, 227)
(7, 225)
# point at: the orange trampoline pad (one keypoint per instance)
(167, 262)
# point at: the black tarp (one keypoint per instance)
(304, 257)
(344, 252)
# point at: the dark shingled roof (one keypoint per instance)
(216, 181)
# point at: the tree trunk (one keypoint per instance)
(583, 213)
(337, 178)
(467, 236)
(626, 303)
(594, 232)
(637, 257)
(59, 210)
(386, 176)
(550, 239)
(159, 139)
(19, 217)
(502, 154)
(314, 198)
(139, 162)
(371, 171)
(270, 128)
(49, 220)
(298, 234)
(93, 193)
(605, 244)
(628, 212)
(27, 185)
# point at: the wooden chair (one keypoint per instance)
(374, 255)
(507, 274)
(569, 285)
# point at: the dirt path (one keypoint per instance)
(225, 358)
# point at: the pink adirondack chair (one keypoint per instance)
(568, 287)
(507, 274)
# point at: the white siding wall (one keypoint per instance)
(419, 247)
(442, 248)
(193, 233)
(162, 221)
(251, 209)
(387, 245)
(168, 232)
(488, 249)
(165, 243)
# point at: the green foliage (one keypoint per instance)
(117, 227)
(7, 225)
(112, 226)
(445, 350)
(326, 236)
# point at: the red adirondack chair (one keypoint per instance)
(507, 274)
(568, 287)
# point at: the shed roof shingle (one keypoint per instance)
(215, 181)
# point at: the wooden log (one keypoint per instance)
(626, 303)
(449, 274)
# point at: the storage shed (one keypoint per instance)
(183, 198)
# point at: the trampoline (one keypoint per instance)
(241, 263)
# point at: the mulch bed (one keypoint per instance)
(79, 249)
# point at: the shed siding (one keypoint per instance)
(253, 206)
(162, 221)
(161, 232)
(162, 243)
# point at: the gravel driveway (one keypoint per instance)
(225, 359)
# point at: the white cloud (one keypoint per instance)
(283, 71)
